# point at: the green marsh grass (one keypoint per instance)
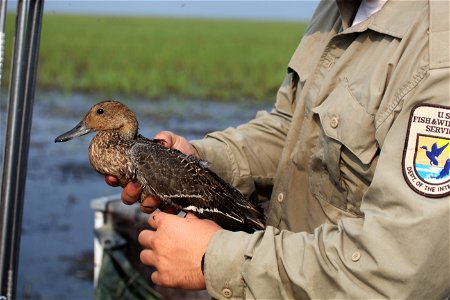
(163, 57)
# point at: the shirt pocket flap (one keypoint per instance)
(305, 57)
(346, 121)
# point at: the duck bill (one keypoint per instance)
(78, 130)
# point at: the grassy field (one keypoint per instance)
(160, 58)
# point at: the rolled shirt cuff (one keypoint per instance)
(224, 260)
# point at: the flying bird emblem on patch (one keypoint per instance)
(426, 157)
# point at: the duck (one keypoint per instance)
(445, 170)
(434, 153)
(177, 179)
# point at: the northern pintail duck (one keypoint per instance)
(177, 179)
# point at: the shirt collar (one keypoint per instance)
(347, 9)
(394, 19)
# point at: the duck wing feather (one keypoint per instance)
(187, 184)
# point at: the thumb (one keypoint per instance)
(167, 137)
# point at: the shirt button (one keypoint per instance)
(227, 293)
(280, 197)
(334, 122)
(356, 256)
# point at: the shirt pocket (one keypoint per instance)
(346, 147)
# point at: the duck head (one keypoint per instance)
(105, 116)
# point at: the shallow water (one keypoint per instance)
(57, 236)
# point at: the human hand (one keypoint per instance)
(132, 191)
(176, 248)
(174, 141)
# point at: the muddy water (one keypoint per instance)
(57, 237)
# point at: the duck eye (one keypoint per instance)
(99, 111)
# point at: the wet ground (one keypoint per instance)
(57, 237)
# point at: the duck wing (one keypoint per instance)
(184, 182)
(437, 150)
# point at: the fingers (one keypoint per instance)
(131, 193)
(149, 204)
(145, 238)
(147, 209)
(175, 249)
(155, 218)
(111, 180)
(171, 140)
(150, 208)
(147, 257)
(167, 137)
(170, 210)
(159, 278)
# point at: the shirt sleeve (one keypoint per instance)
(399, 249)
(247, 156)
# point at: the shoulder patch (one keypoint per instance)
(426, 156)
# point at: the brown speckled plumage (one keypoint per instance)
(177, 179)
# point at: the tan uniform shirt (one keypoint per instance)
(342, 152)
